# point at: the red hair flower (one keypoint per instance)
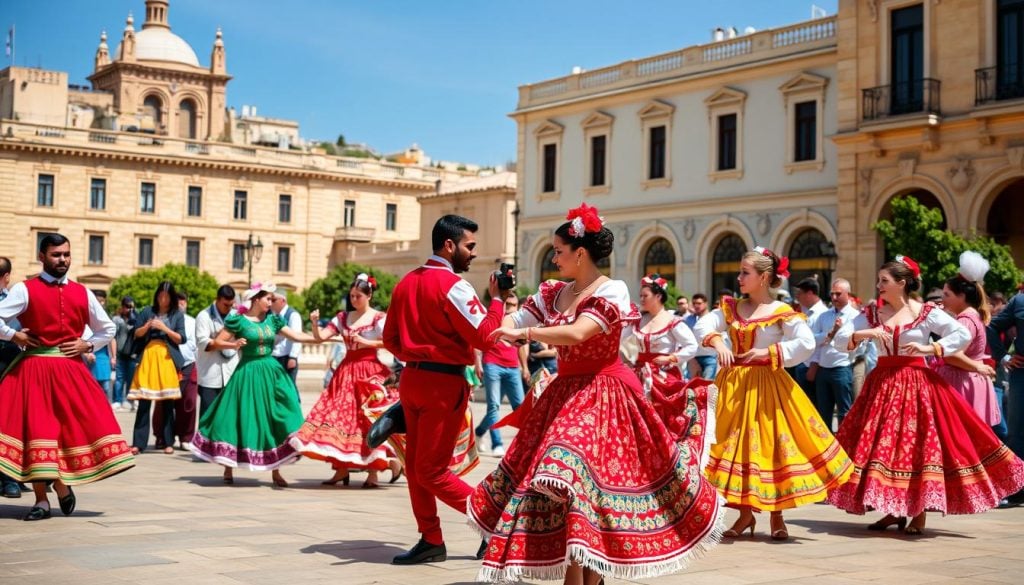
(585, 220)
(654, 279)
(783, 268)
(909, 263)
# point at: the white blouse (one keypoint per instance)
(675, 338)
(954, 337)
(785, 329)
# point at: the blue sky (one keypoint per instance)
(442, 74)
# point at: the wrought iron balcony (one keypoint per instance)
(993, 84)
(920, 96)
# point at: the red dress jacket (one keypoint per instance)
(435, 316)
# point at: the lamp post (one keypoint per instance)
(253, 251)
(828, 250)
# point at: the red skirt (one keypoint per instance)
(336, 428)
(917, 445)
(56, 423)
(594, 477)
(688, 411)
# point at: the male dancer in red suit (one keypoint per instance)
(434, 321)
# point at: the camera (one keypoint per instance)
(505, 275)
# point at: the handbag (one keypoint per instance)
(390, 422)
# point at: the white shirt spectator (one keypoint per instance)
(827, 355)
(284, 346)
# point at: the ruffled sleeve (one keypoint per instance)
(335, 325)
(536, 308)
(796, 346)
(684, 341)
(954, 337)
(609, 305)
(378, 323)
(233, 323)
(710, 327)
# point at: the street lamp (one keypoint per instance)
(253, 251)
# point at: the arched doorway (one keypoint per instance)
(1004, 223)
(925, 198)
(660, 257)
(187, 119)
(810, 256)
(725, 264)
(153, 107)
(547, 269)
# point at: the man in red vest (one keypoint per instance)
(55, 422)
(435, 320)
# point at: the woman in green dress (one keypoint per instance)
(251, 421)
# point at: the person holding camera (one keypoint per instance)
(502, 376)
(434, 322)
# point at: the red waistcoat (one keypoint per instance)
(56, 313)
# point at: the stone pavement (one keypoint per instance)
(171, 521)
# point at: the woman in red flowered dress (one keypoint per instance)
(336, 428)
(916, 444)
(594, 484)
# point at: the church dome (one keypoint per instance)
(160, 44)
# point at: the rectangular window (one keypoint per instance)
(727, 142)
(241, 205)
(350, 213)
(284, 259)
(147, 198)
(238, 257)
(550, 167)
(1010, 49)
(192, 253)
(195, 201)
(806, 131)
(598, 153)
(656, 169)
(284, 208)
(145, 251)
(98, 194)
(907, 60)
(95, 249)
(44, 193)
(391, 217)
(39, 239)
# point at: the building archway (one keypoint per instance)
(811, 256)
(1003, 223)
(660, 257)
(153, 106)
(187, 119)
(925, 198)
(546, 269)
(725, 263)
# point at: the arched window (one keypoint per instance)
(660, 257)
(187, 119)
(725, 264)
(153, 107)
(548, 270)
(810, 256)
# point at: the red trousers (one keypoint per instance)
(184, 409)
(435, 408)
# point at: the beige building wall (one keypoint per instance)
(962, 150)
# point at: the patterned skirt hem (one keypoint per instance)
(149, 394)
(588, 558)
(233, 456)
(332, 453)
(44, 472)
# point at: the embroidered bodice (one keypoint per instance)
(954, 337)
(609, 306)
(784, 333)
(977, 348)
(259, 336)
(370, 331)
(675, 338)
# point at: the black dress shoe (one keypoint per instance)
(11, 490)
(37, 513)
(67, 503)
(423, 552)
(480, 552)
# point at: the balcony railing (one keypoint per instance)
(354, 234)
(994, 84)
(920, 96)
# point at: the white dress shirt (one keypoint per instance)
(188, 345)
(16, 303)
(284, 346)
(215, 367)
(827, 355)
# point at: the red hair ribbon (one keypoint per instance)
(783, 269)
(654, 279)
(585, 220)
(909, 263)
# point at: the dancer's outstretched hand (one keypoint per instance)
(509, 333)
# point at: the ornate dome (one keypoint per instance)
(160, 44)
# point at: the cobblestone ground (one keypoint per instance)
(171, 521)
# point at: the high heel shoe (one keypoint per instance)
(396, 474)
(779, 533)
(344, 481)
(737, 530)
(888, 521)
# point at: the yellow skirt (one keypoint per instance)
(773, 451)
(156, 378)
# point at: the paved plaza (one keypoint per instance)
(171, 521)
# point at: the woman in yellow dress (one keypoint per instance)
(773, 450)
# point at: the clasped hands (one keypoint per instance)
(726, 357)
(74, 348)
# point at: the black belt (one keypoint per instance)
(453, 369)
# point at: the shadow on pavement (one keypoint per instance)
(855, 530)
(17, 512)
(357, 551)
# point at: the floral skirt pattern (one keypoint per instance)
(917, 445)
(773, 451)
(594, 477)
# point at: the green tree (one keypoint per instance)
(916, 231)
(201, 287)
(341, 140)
(328, 293)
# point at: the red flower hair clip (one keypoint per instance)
(654, 279)
(585, 220)
(783, 269)
(363, 277)
(909, 263)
